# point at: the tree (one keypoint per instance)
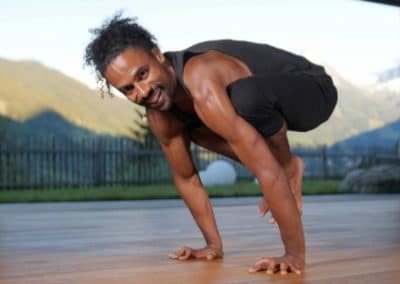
(141, 130)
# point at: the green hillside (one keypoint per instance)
(28, 89)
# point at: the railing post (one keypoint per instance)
(325, 162)
(196, 157)
(99, 161)
(54, 181)
(2, 172)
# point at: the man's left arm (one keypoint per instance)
(213, 106)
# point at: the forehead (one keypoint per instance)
(127, 62)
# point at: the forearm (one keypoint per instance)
(255, 154)
(175, 142)
(283, 207)
(196, 199)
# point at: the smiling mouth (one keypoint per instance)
(155, 100)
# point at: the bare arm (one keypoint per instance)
(213, 106)
(176, 147)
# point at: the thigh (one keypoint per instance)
(256, 104)
(267, 101)
(303, 100)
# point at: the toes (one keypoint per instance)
(262, 213)
(263, 207)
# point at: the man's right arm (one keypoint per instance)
(176, 147)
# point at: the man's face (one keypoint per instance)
(142, 76)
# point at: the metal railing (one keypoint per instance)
(51, 163)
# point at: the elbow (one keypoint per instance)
(188, 179)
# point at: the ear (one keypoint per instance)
(158, 55)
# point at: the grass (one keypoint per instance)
(166, 191)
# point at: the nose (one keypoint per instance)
(143, 90)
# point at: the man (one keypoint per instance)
(233, 97)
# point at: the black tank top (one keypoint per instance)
(260, 58)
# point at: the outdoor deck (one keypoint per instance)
(350, 239)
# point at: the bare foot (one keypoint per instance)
(294, 172)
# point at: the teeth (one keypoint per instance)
(155, 96)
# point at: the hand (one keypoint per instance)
(208, 253)
(283, 264)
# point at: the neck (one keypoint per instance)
(180, 98)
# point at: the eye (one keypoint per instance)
(126, 89)
(143, 73)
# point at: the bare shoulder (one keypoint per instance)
(212, 68)
(202, 70)
(164, 125)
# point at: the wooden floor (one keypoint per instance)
(350, 239)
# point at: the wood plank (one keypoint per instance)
(350, 239)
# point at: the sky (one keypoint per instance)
(357, 39)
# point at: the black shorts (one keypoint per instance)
(265, 101)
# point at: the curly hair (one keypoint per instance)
(112, 38)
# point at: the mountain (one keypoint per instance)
(45, 124)
(385, 137)
(28, 89)
(388, 91)
(37, 100)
